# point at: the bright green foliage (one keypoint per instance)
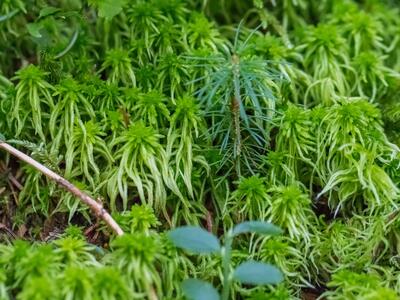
(185, 128)
(145, 162)
(33, 95)
(71, 268)
(351, 285)
(250, 200)
(176, 112)
(86, 143)
(325, 54)
(120, 67)
(288, 259)
(38, 288)
(140, 218)
(134, 256)
(109, 284)
(72, 105)
(107, 9)
(295, 139)
(291, 210)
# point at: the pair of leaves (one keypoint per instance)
(250, 272)
(200, 241)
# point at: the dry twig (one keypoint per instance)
(96, 207)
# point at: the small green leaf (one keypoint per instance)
(47, 11)
(256, 227)
(2, 138)
(34, 29)
(109, 8)
(194, 239)
(257, 273)
(195, 289)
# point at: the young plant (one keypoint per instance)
(3, 287)
(287, 60)
(351, 146)
(75, 252)
(110, 283)
(173, 73)
(145, 18)
(201, 33)
(343, 245)
(279, 171)
(238, 94)
(38, 288)
(363, 31)
(197, 240)
(77, 283)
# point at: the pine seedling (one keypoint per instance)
(238, 95)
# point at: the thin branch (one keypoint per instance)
(96, 207)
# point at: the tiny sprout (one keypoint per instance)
(200, 241)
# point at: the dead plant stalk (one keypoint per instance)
(95, 206)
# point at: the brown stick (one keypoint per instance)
(96, 207)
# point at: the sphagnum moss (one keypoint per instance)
(205, 113)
